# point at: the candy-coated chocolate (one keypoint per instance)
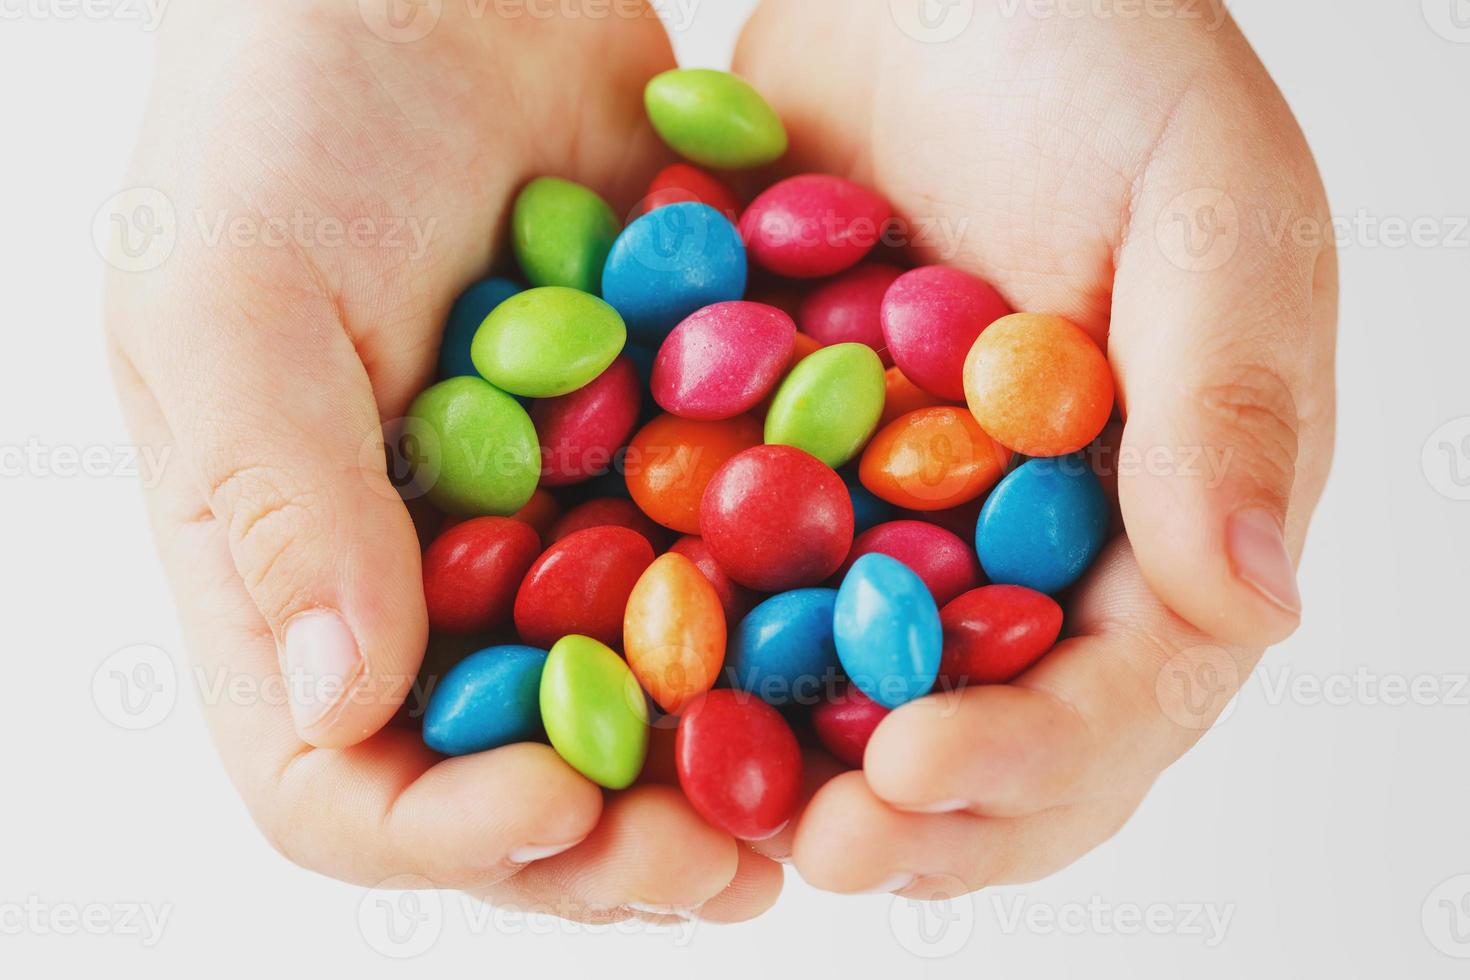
(814, 225)
(469, 311)
(803, 348)
(581, 431)
(547, 342)
(933, 459)
(489, 699)
(674, 632)
(783, 651)
(1044, 525)
(562, 234)
(931, 317)
(722, 360)
(471, 448)
(845, 723)
(848, 309)
(903, 396)
(541, 512)
(670, 263)
(472, 572)
(1039, 384)
(777, 518)
(739, 764)
(887, 629)
(610, 512)
(594, 712)
(993, 634)
(946, 563)
(959, 521)
(714, 118)
(735, 599)
(671, 461)
(581, 585)
(680, 183)
(830, 403)
(868, 510)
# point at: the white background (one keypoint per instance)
(1328, 826)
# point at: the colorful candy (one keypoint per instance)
(471, 448)
(932, 459)
(582, 431)
(946, 563)
(671, 461)
(849, 308)
(739, 764)
(581, 585)
(830, 403)
(609, 512)
(902, 396)
(722, 360)
(776, 518)
(845, 723)
(814, 225)
(735, 599)
(993, 634)
(593, 711)
(489, 699)
(674, 632)
(887, 630)
(714, 118)
(1044, 525)
(548, 342)
(562, 233)
(472, 572)
(469, 311)
(1039, 385)
(679, 183)
(931, 317)
(783, 651)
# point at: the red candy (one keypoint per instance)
(739, 764)
(541, 512)
(993, 634)
(776, 518)
(610, 512)
(931, 318)
(845, 724)
(680, 183)
(735, 599)
(947, 565)
(814, 225)
(849, 308)
(472, 571)
(581, 585)
(723, 360)
(581, 431)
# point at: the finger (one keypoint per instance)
(754, 890)
(818, 768)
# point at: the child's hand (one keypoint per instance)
(334, 191)
(1069, 157)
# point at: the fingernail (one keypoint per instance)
(649, 909)
(321, 660)
(897, 883)
(947, 806)
(1258, 553)
(538, 852)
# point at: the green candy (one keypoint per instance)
(562, 232)
(547, 342)
(471, 448)
(714, 118)
(594, 711)
(830, 403)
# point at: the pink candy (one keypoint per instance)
(849, 308)
(581, 431)
(931, 317)
(723, 360)
(947, 565)
(814, 225)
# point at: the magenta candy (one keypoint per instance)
(845, 723)
(735, 598)
(814, 225)
(581, 431)
(722, 360)
(931, 317)
(849, 309)
(948, 566)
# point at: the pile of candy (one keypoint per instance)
(838, 487)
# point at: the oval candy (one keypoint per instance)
(471, 448)
(594, 712)
(609, 512)
(722, 360)
(994, 634)
(541, 512)
(813, 225)
(465, 317)
(581, 432)
(933, 459)
(783, 651)
(489, 699)
(674, 632)
(931, 317)
(830, 403)
(1044, 525)
(472, 572)
(946, 563)
(868, 510)
(849, 308)
(547, 342)
(845, 723)
(735, 599)
(562, 232)
(902, 396)
(886, 626)
(671, 461)
(714, 118)
(581, 585)
(679, 183)
(739, 764)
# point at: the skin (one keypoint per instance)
(1054, 145)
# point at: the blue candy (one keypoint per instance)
(489, 699)
(469, 311)
(783, 651)
(1044, 525)
(868, 510)
(668, 264)
(887, 629)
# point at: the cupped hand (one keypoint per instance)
(1142, 176)
(336, 183)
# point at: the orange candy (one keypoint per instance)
(1039, 385)
(932, 459)
(903, 397)
(674, 632)
(671, 460)
(806, 346)
(541, 512)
